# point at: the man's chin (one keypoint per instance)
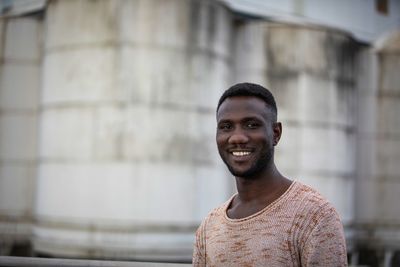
(246, 174)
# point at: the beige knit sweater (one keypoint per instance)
(300, 228)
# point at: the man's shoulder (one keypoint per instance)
(311, 201)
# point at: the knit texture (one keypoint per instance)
(300, 228)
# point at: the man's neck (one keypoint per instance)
(266, 185)
(255, 193)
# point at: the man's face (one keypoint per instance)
(246, 135)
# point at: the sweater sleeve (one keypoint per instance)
(199, 250)
(326, 246)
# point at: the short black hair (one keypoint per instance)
(250, 89)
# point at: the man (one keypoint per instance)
(271, 221)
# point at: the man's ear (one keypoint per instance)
(277, 128)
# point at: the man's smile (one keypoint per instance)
(240, 153)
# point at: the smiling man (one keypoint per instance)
(271, 221)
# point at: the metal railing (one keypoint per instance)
(53, 262)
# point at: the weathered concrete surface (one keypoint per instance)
(127, 126)
(377, 220)
(19, 86)
(388, 129)
(310, 71)
(388, 119)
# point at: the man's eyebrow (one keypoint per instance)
(224, 121)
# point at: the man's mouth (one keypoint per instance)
(240, 153)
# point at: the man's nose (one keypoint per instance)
(238, 137)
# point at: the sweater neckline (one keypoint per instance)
(265, 209)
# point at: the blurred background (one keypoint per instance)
(107, 118)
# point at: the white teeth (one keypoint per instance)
(240, 153)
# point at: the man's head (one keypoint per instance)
(251, 89)
(247, 129)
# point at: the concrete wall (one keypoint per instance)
(128, 164)
(19, 86)
(315, 91)
(378, 187)
(388, 127)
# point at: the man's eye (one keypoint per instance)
(252, 125)
(225, 126)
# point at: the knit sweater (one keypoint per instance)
(300, 228)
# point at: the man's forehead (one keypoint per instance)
(243, 104)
